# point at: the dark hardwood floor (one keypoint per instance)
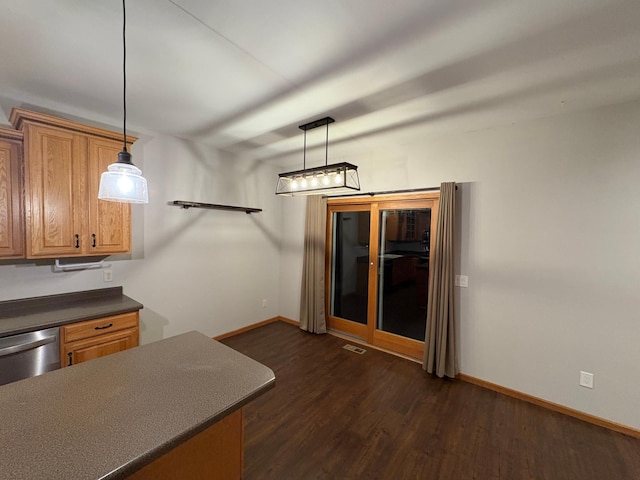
(335, 414)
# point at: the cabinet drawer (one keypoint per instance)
(99, 326)
(96, 347)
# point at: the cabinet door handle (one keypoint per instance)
(77, 240)
(93, 240)
(104, 327)
(70, 355)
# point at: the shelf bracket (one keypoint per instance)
(213, 206)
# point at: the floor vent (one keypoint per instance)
(355, 349)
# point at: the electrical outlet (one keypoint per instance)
(462, 281)
(264, 303)
(107, 275)
(586, 379)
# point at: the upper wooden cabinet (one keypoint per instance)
(11, 215)
(63, 163)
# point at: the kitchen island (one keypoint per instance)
(169, 409)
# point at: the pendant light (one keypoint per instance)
(123, 182)
(334, 178)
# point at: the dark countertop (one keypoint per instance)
(28, 314)
(106, 418)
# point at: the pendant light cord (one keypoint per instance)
(124, 76)
(304, 152)
(326, 147)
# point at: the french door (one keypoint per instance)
(377, 268)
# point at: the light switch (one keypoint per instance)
(462, 281)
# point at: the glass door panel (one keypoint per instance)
(349, 284)
(377, 269)
(403, 270)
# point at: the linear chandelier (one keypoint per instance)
(334, 178)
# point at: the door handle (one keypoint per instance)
(23, 347)
(77, 240)
(93, 240)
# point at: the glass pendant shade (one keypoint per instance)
(123, 182)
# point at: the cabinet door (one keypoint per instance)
(213, 453)
(109, 222)
(55, 189)
(11, 223)
(84, 350)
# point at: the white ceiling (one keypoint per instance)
(243, 74)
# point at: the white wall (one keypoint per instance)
(205, 270)
(549, 235)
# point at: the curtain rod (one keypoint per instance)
(387, 192)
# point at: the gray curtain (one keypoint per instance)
(312, 314)
(439, 343)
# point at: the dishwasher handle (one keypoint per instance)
(26, 346)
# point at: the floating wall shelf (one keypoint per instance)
(213, 206)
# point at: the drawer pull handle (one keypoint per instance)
(70, 355)
(93, 238)
(77, 240)
(104, 327)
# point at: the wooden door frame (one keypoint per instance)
(369, 333)
(346, 326)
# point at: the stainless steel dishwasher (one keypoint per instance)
(29, 354)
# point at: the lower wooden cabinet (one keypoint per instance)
(215, 453)
(96, 338)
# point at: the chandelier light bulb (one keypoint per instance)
(125, 185)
